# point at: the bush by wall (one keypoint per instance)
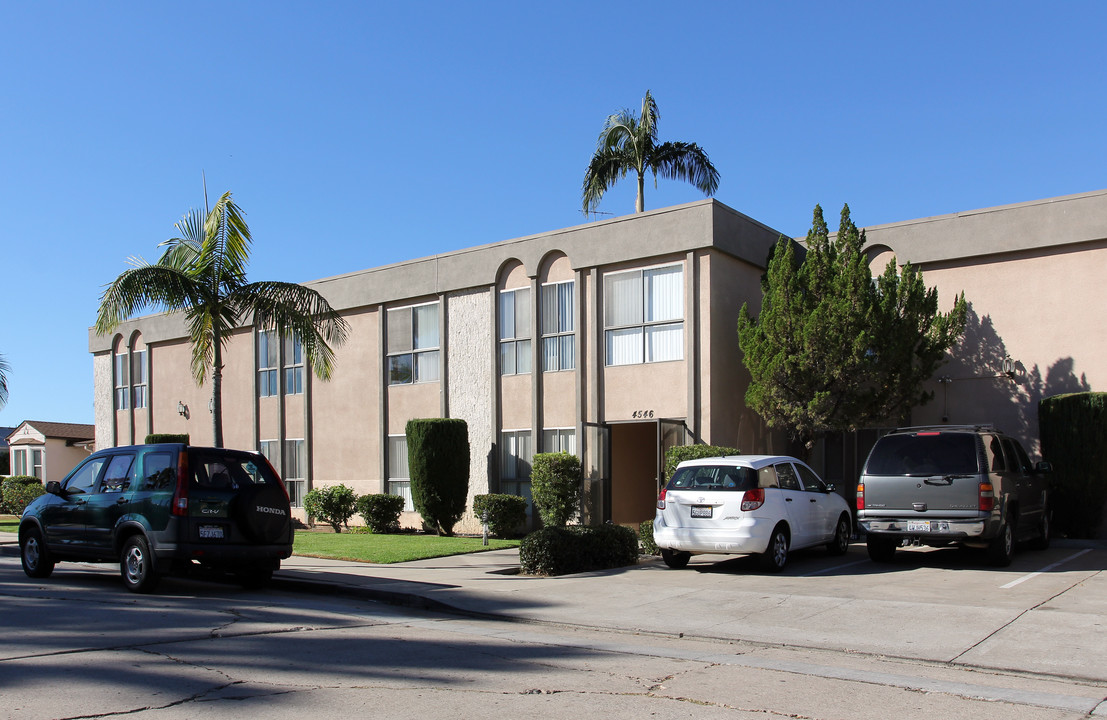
(381, 512)
(564, 550)
(645, 538)
(555, 482)
(155, 438)
(506, 513)
(334, 505)
(438, 464)
(17, 492)
(679, 453)
(1073, 431)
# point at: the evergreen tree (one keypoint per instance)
(833, 350)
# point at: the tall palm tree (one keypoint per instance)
(629, 142)
(5, 368)
(203, 274)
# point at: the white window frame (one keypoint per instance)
(19, 461)
(140, 374)
(420, 354)
(122, 379)
(514, 310)
(643, 327)
(295, 469)
(558, 325)
(38, 461)
(268, 357)
(293, 364)
(399, 476)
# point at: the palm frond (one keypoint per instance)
(608, 166)
(5, 368)
(145, 286)
(687, 162)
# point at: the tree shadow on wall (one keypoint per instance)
(982, 383)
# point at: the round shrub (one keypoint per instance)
(17, 492)
(334, 505)
(555, 482)
(380, 512)
(564, 550)
(505, 513)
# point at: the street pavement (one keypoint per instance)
(1045, 616)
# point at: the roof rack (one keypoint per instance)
(976, 427)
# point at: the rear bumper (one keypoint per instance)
(749, 536)
(936, 530)
(223, 554)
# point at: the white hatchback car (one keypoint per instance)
(748, 505)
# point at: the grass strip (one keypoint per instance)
(386, 549)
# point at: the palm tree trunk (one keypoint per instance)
(217, 393)
(640, 205)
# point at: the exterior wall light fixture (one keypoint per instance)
(182, 409)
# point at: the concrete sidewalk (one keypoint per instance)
(1046, 615)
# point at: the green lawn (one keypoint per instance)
(9, 523)
(366, 547)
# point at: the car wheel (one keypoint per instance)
(1002, 547)
(880, 549)
(840, 544)
(675, 558)
(1045, 531)
(775, 556)
(136, 565)
(37, 561)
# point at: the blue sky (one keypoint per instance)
(357, 134)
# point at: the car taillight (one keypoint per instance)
(987, 497)
(860, 496)
(753, 499)
(661, 499)
(180, 493)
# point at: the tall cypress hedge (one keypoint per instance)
(1073, 431)
(438, 464)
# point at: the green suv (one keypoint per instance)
(158, 509)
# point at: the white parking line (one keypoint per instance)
(1046, 569)
(835, 568)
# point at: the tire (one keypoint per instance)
(775, 556)
(1045, 531)
(36, 558)
(842, 533)
(675, 558)
(881, 550)
(263, 514)
(137, 565)
(1002, 547)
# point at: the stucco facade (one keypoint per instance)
(614, 340)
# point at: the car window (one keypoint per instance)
(117, 477)
(811, 481)
(929, 453)
(786, 476)
(84, 478)
(1016, 456)
(727, 478)
(158, 472)
(994, 454)
(229, 470)
(766, 477)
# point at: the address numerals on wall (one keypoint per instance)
(638, 414)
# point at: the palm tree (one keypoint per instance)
(203, 274)
(5, 368)
(629, 142)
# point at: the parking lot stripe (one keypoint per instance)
(1046, 569)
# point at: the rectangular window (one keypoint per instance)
(558, 340)
(515, 350)
(139, 374)
(293, 365)
(413, 344)
(644, 315)
(20, 457)
(122, 381)
(559, 440)
(399, 480)
(271, 449)
(36, 463)
(295, 470)
(515, 458)
(267, 363)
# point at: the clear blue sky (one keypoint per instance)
(357, 134)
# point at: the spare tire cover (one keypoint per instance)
(263, 513)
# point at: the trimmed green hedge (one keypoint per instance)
(645, 538)
(506, 513)
(17, 492)
(1073, 431)
(155, 438)
(565, 550)
(381, 512)
(333, 504)
(679, 453)
(555, 482)
(438, 465)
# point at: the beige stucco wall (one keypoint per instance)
(171, 382)
(102, 399)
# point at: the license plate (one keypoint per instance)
(211, 531)
(701, 511)
(918, 526)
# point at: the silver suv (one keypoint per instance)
(940, 485)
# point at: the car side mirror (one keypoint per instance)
(55, 488)
(1043, 467)
(829, 488)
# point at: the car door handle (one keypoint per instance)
(813, 500)
(120, 501)
(787, 499)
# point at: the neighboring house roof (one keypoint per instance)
(71, 432)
